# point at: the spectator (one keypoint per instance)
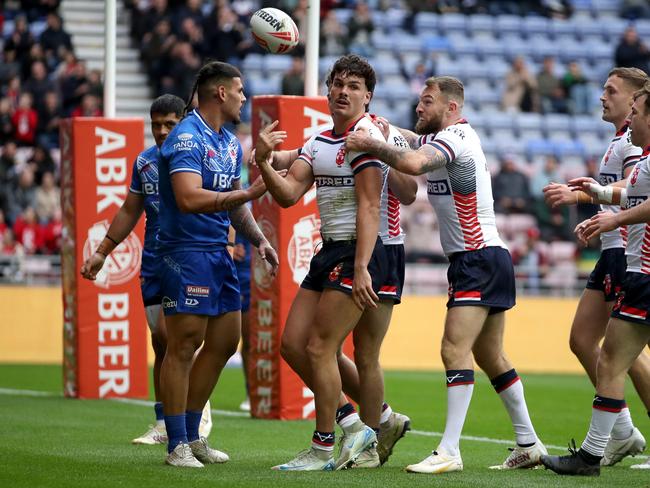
(49, 120)
(510, 188)
(22, 195)
(145, 22)
(48, 198)
(25, 120)
(8, 165)
(192, 32)
(53, 232)
(74, 87)
(634, 9)
(3, 223)
(191, 10)
(332, 36)
(156, 47)
(21, 40)
(631, 52)
(95, 85)
(184, 64)
(520, 89)
(299, 15)
(548, 174)
(9, 67)
(578, 88)
(29, 233)
(227, 40)
(12, 92)
(551, 94)
(9, 245)
(38, 84)
(40, 163)
(54, 37)
(531, 260)
(293, 81)
(6, 125)
(360, 28)
(90, 107)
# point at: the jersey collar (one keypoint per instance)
(202, 120)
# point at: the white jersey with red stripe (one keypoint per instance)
(334, 170)
(461, 191)
(621, 154)
(637, 252)
(390, 230)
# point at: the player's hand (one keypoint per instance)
(599, 223)
(239, 252)
(383, 125)
(357, 141)
(579, 231)
(556, 194)
(258, 187)
(582, 183)
(268, 254)
(362, 292)
(267, 140)
(92, 265)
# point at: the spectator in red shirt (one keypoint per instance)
(89, 107)
(3, 223)
(25, 120)
(29, 233)
(52, 234)
(9, 246)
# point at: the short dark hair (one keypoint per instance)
(354, 65)
(211, 73)
(634, 77)
(167, 104)
(449, 86)
(644, 91)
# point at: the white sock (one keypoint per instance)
(351, 423)
(460, 385)
(603, 416)
(385, 413)
(515, 402)
(623, 426)
(160, 423)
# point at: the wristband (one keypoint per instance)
(623, 202)
(603, 193)
(112, 240)
(101, 253)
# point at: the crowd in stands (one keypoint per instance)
(42, 81)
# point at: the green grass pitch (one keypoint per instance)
(49, 441)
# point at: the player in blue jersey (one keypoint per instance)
(200, 196)
(165, 112)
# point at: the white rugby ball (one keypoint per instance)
(274, 30)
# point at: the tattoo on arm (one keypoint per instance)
(387, 153)
(229, 200)
(411, 137)
(434, 161)
(244, 223)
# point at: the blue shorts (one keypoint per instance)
(633, 301)
(244, 276)
(200, 283)
(484, 277)
(609, 273)
(394, 283)
(150, 289)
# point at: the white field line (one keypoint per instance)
(230, 413)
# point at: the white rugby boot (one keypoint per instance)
(390, 432)
(617, 449)
(523, 457)
(207, 455)
(308, 460)
(157, 434)
(352, 444)
(438, 462)
(182, 457)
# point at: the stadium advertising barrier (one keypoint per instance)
(275, 390)
(104, 340)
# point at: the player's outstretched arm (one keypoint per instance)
(123, 223)
(367, 185)
(409, 161)
(287, 191)
(403, 186)
(191, 197)
(606, 221)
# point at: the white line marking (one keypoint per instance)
(230, 413)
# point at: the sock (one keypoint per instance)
(323, 442)
(192, 422)
(346, 417)
(603, 416)
(160, 417)
(460, 385)
(623, 426)
(386, 412)
(176, 433)
(511, 390)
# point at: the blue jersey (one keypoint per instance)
(194, 147)
(144, 181)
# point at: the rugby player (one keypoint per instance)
(200, 196)
(347, 274)
(165, 112)
(481, 276)
(597, 300)
(628, 331)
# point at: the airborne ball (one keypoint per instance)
(274, 30)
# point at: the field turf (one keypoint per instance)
(50, 441)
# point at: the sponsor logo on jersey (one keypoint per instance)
(168, 303)
(187, 145)
(438, 187)
(635, 175)
(607, 178)
(191, 302)
(334, 181)
(634, 201)
(336, 272)
(340, 156)
(185, 136)
(197, 291)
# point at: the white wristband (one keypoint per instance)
(623, 203)
(602, 193)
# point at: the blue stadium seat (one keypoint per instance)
(463, 46)
(568, 148)
(378, 18)
(385, 66)
(508, 24)
(343, 15)
(528, 122)
(605, 8)
(584, 124)
(394, 19)
(585, 27)
(533, 25)
(325, 64)
(265, 86)
(613, 30)
(491, 47)
(557, 123)
(643, 28)
(453, 23)
(536, 147)
(426, 23)
(276, 63)
(572, 52)
(479, 23)
(253, 63)
(477, 70)
(435, 43)
(404, 42)
(500, 121)
(559, 28)
(545, 47)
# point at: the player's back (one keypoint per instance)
(637, 251)
(194, 147)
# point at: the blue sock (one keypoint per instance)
(192, 422)
(158, 407)
(176, 433)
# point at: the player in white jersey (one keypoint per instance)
(605, 281)
(628, 331)
(480, 274)
(398, 189)
(347, 274)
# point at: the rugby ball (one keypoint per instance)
(274, 30)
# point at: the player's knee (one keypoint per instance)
(486, 359)
(317, 349)
(366, 362)
(290, 352)
(450, 352)
(580, 345)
